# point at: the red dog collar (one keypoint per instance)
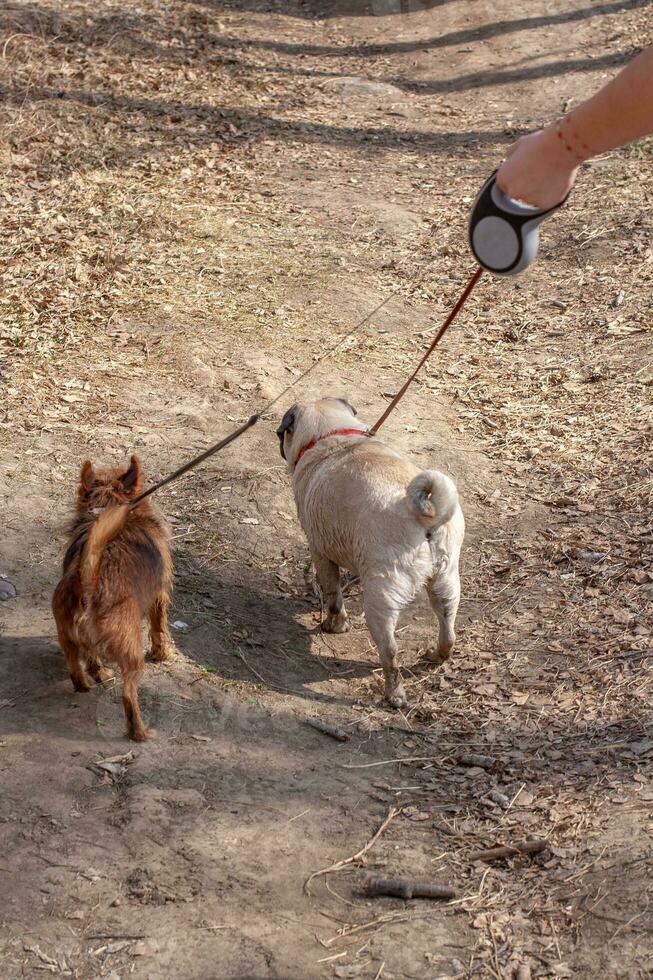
(336, 432)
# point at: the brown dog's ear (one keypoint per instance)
(87, 477)
(350, 407)
(287, 423)
(132, 478)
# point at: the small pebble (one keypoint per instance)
(7, 589)
(590, 556)
(499, 798)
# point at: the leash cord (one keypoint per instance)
(438, 337)
(191, 464)
(253, 419)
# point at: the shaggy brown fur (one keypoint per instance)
(117, 569)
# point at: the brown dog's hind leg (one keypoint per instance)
(66, 617)
(120, 635)
(97, 670)
(74, 660)
(328, 578)
(162, 646)
(381, 620)
(131, 666)
(135, 727)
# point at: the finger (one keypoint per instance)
(504, 182)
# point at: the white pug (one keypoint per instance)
(366, 508)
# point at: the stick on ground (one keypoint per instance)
(391, 814)
(405, 888)
(322, 726)
(496, 853)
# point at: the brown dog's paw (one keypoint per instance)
(336, 623)
(437, 655)
(397, 697)
(160, 654)
(141, 734)
(103, 675)
(82, 685)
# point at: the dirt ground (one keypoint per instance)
(198, 198)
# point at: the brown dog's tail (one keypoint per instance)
(105, 528)
(433, 498)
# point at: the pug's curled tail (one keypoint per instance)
(433, 498)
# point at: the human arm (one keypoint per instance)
(541, 168)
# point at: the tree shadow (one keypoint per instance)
(483, 32)
(232, 806)
(144, 36)
(312, 10)
(491, 77)
(144, 129)
(140, 34)
(204, 125)
(463, 83)
(38, 699)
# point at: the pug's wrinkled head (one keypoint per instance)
(304, 424)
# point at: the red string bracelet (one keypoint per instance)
(573, 136)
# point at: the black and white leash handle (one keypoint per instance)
(504, 234)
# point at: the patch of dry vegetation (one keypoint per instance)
(194, 205)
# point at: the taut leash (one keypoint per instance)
(253, 419)
(438, 337)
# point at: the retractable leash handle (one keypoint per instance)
(504, 234)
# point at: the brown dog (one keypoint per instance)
(117, 569)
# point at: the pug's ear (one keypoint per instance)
(132, 478)
(287, 425)
(347, 405)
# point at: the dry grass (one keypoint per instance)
(189, 217)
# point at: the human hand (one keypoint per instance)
(538, 170)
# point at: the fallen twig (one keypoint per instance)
(322, 726)
(334, 956)
(393, 762)
(348, 931)
(582, 871)
(405, 888)
(496, 853)
(512, 802)
(391, 814)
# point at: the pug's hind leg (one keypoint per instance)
(381, 617)
(328, 578)
(444, 597)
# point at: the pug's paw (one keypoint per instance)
(336, 623)
(396, 698)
